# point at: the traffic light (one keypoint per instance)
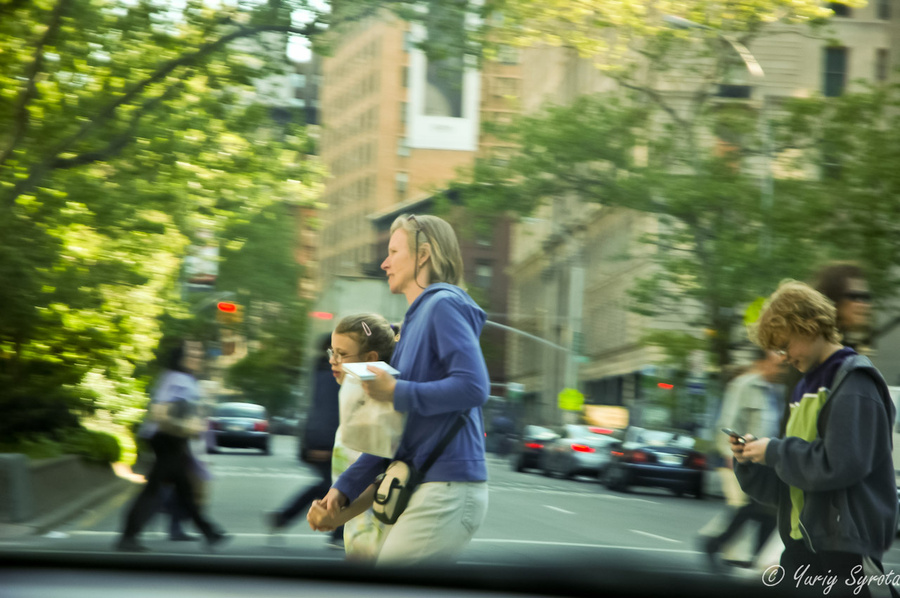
(227, 307)
(229, 313)
(321, 315)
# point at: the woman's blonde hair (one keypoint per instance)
(795, 308)
(443, 246)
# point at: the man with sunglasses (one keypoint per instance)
(844, 283)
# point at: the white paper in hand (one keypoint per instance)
(367, 425)
(361, 369)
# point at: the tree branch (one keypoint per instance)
(21, 115)
(12, 6)
(39, 171)
(120, 142)
(655, 96)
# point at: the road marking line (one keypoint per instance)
(581, 545)
(313, 535)
(478, 540)
(104, 510)
(206, 555)
(560, 510)
(151, 535)
(533, 490)
(654, 536)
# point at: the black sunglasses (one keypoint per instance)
(860, 296)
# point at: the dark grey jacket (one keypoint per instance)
(846, 474)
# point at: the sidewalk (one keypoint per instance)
(47, 521)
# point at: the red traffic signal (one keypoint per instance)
(666, 386)
(227, 307)
(321, 315)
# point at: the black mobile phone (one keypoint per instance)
(731, 432)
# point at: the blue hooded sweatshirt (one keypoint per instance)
(442, 374)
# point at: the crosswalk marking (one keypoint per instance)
(259, 472)
(655, 537)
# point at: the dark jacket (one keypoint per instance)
(324, 416)
(846, 473)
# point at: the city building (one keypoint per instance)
(387, 136)
(572, 265)
(395, 129)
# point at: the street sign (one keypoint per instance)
(569, 399)
(609, 416)
(696, 385)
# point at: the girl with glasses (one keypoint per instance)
(359, 338)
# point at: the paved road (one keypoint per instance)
(531, 518)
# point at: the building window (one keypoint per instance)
(484, 273)
(884, 9)
(840, 10)
(444, 82)
(402, 148)
(404, 76)
(402, 182)
(505, 86)
(484, 239)
(835, 76)
(407, 41)
(403, 113)
(881, 64)
(507, 55)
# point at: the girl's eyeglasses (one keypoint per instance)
(337, 357)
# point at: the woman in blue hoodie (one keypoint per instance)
(442, 376)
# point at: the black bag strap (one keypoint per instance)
(457, 425)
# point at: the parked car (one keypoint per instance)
(583, 450)
(286, 425)
(239, 425)
(529, 447)
(659, 459)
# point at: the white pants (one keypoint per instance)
(438, 523)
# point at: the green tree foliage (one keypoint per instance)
(125, 127)
(261, 270)
(711, 250)
(850, 142)
(617, 36)
(692, 162)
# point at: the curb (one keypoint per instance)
(46, 522)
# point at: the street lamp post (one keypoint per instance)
(755, 70)
(749, 59)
